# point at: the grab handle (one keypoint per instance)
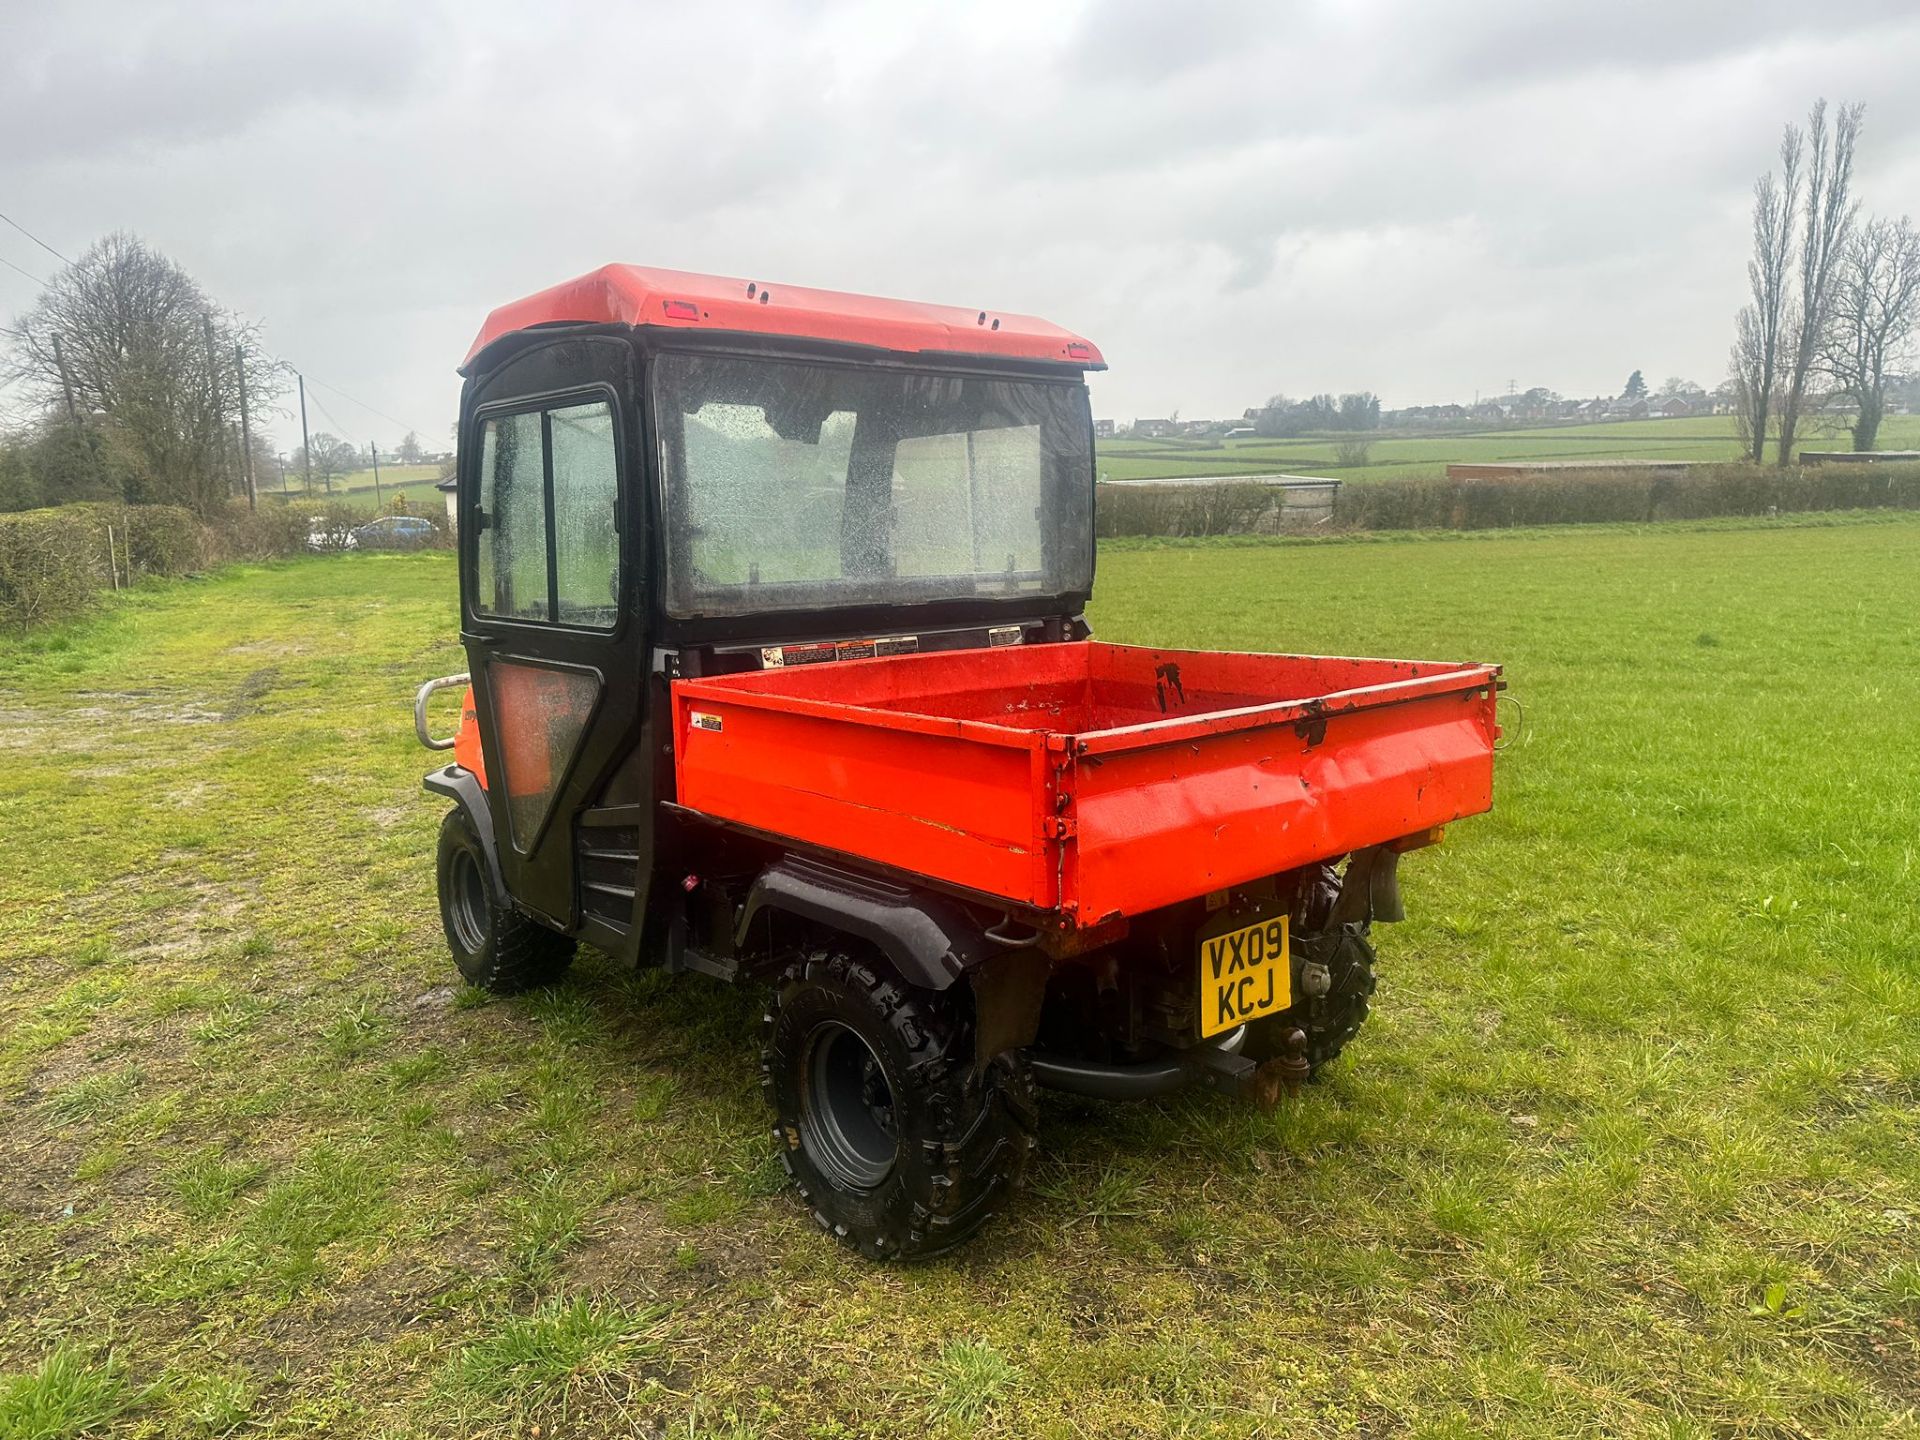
(425, 693)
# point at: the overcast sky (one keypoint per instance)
(1426, 200)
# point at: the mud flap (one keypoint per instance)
(1007, 993)
(1370, 890)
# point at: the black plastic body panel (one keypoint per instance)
(930, 940)
(462, 786)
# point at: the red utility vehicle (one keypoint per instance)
(778, 671)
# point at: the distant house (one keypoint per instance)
(1103, 429)
(1153, 429)
(450, 488)
(1672, 407)
(1621, 409)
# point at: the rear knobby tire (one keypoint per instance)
(1328, 1022)
(496, 947)
(899, 1144)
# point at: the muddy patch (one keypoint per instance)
(270, 647)
(246, 699)
(385, 817)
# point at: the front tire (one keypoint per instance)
(496, 947)
(899, 1145)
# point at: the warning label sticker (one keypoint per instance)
(774, 657)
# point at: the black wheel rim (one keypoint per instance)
(847, 1123)
(467, 908)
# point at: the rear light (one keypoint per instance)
(680, 309)
(1077, 351)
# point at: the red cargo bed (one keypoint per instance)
(1096, 780)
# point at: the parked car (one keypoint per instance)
(393, 532)
(325, 533)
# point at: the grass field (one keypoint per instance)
(358, 490)
(1421, 457)
(1631, 1146)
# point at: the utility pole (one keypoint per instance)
(378, 503)
(246, 430)
(213, 399)
(306, 445)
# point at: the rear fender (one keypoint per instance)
(930, 940)
(462, 786)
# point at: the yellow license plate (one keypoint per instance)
(1244, 974)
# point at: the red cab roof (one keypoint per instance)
(677, 300)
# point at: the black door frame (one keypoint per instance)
(569, 370)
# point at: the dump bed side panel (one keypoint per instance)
(1161, 823)
(927, 799)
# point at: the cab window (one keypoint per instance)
(548, 548)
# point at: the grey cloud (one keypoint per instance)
(1231, 198)
(144, 78)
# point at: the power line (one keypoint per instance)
(361, 403)
(316, 379)
(18, 271)
(35, 239)
(328, 413)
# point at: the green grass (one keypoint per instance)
(69, 1394)
(550, 1361)
(357, 490)
(964, 1383)
(1708, 438)
(1631, 1145)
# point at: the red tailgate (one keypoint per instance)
(1159, 820)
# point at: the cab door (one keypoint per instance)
(550, 524)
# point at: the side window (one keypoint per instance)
(549, 546)
(586, 544)
(511, 578)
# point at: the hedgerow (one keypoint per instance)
(54, 562)
(1573, 497)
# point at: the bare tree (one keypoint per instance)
(1876, 304)
(1826, 223)
(123, 331)
(1763, 322)
(332, 458)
